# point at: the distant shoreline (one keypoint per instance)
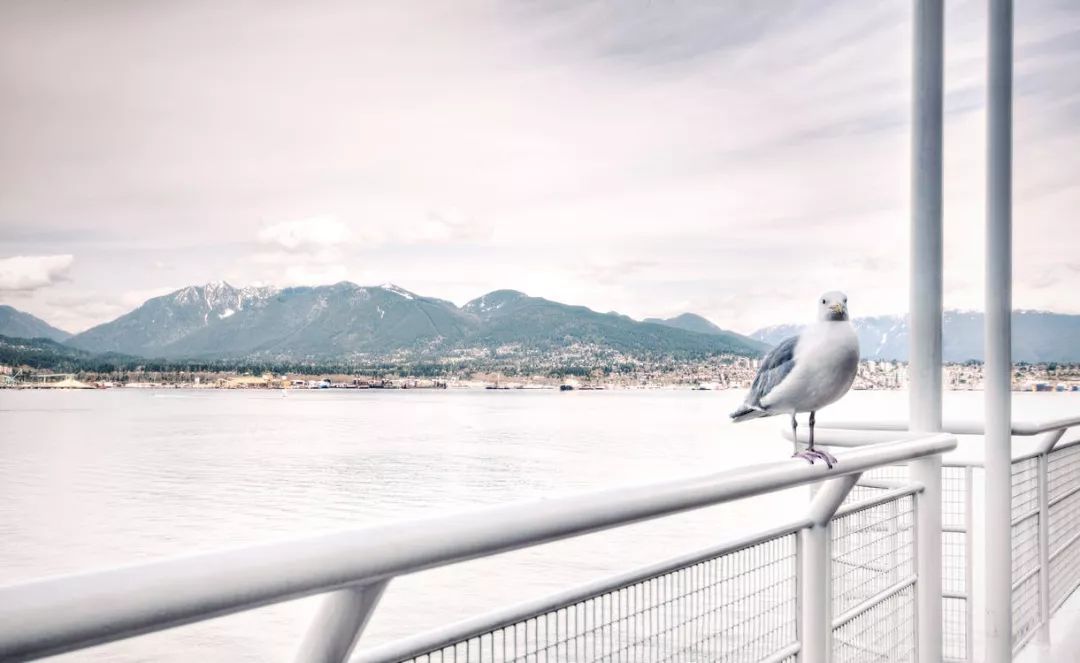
(1073, 387)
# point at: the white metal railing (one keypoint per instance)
(1044, 523)
(825, 586)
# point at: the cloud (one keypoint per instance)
(318, 232)
(437, 227)
(26, 273)
(77, 309)
(747, 149)
(610, 270)
(313, 274)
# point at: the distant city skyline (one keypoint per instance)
(732, 160)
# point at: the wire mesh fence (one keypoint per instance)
(872, 550)
(885, 632)
(955, 568)
(955, 540)
(741, 606)
(1026, 615)
(737, 607)
(1062, 522)
(873, 567)
(1063, 488)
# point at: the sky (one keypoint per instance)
(733, 158)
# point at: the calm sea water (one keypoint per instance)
(104, 478)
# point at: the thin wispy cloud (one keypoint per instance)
(736, 158)
(29, 273)
(317, 233)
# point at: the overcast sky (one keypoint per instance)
(732, 158)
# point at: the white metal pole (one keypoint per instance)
(925, 293)
(924, 362)
(998, 366)
(339, 622)
(815, 572)
(1044, 548)
(815, 594)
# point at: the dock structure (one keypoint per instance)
(884, 564)
(58, 381)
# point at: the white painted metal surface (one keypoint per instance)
(925, 293)
(340, 621)
(998, 567)
(924, 365)
(815, 588)
(1044, 548)
(953, 426)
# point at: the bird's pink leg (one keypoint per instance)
(811, 453)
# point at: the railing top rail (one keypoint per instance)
(55, 615)
(958, 427)
(862, 433)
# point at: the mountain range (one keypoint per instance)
(1037, 336)
(689, 322)
(345, 321)
(15, 323)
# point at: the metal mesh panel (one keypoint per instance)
(954, 629)
(885, 473)
(1025, 549)
(955, 581)
(1064, 549)
(738, 607)
(888, 473)
(955, 602)
(872, 550)
(861, 492)
(954, 563)
(885, 633)
(954, 497)
(873, 554)
(1025, 487)
(1063, 470)
(1064, 521)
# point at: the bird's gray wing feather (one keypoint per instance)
(774, 368)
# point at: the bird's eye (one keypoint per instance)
(823, 301)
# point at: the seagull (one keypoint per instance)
(805, 373)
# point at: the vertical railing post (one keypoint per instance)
(998, 368)
(339, 622)
(926, 308)
(1044, 548)
(815, 571)
(815, 594)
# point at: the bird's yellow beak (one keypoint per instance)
(837, 308)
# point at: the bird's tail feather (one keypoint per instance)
(748, 412)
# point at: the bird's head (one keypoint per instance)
(832, 306)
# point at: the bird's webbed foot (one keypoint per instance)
(810, 455)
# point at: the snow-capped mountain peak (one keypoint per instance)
(397, 290)
(493, 301)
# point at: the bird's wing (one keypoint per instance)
(774, 368)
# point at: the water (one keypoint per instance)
(104, 478)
